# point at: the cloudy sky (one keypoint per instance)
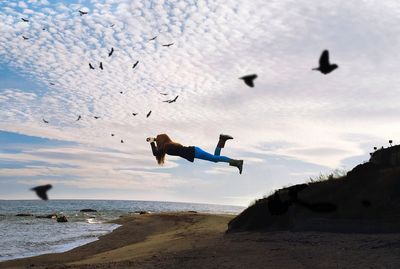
(295, 123)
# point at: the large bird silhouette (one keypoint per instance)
(41, 191)
(325, 67)
(249, 79)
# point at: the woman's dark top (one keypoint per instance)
(175, 150)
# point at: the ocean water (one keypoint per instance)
(30, 236)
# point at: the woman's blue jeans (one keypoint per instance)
(203, 155)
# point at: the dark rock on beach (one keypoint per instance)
(46, 216)
(62, 219)
(140, 212)
(88, 210)
(24, 215)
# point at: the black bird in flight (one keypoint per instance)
(134, 114)
(174, 100)
(112, 25)
(45, 121)
(96, 117)
(52, 84)
(171, 101)
(101, 65)
(41, 191)
(122, 141)
(25, 20)
(325, 67)
(121, 92)
(111, 52)
(151, 39)
(25, 38)
(162, 93)
(168, 45)
(112, 134)
(44, 29)
(135, 64)
(82, 12)
(91, 66)
(148, 114)
(249, 79)
(79, 117)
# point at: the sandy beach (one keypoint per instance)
(190, 240)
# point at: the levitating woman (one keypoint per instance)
(166, 146)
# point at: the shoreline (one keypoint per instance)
(133, 230)
(29, 236)
(77, 237)
(197, 240)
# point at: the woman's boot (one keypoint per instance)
(238, 164)
(222, 140)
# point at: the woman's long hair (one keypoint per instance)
(162, 141)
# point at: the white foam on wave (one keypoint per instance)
(94, 221)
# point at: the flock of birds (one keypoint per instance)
(101, 66)
(325, 67)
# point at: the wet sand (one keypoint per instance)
(190, 240)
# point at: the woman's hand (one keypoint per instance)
(150, 139)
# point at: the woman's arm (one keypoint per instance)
(153, 145)
(154, 148)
